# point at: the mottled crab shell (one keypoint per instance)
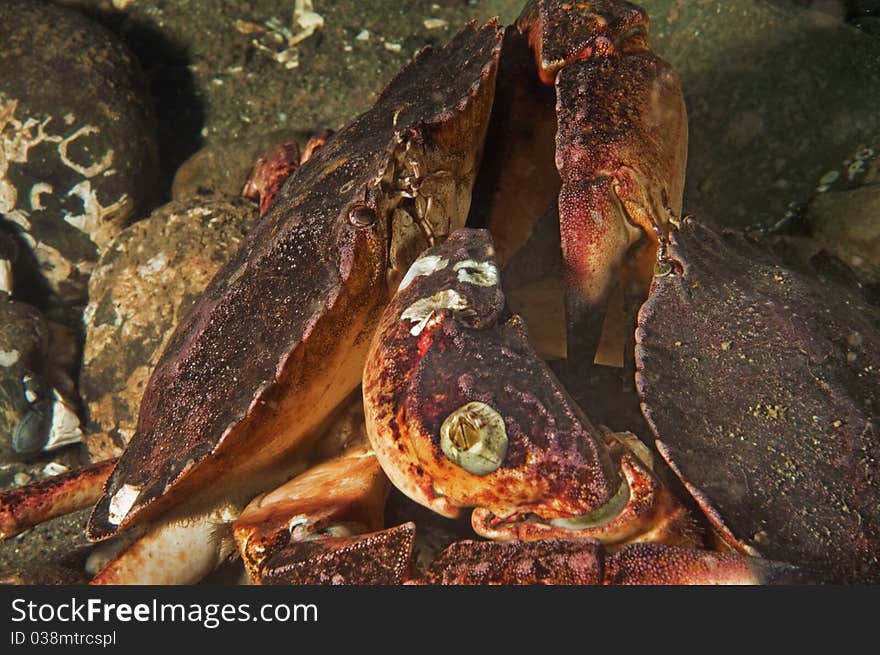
(585, 562)
(560, 30)
(763, 387)
(447, 342)
(621, 138)
(278, 338)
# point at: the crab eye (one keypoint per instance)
(662, 269)
(474, 438)
(361, 216)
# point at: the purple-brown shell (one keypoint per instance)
(761, 386)
(377, 558)
(446, 342)
(544, 562)
(278, 337)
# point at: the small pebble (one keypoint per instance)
(435, 23)
(393, 47)
(54, 468)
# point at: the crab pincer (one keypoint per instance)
(462, 413)
(586, 562)
(621, 139)
(761, 386)
(325, 525)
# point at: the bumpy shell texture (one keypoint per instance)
(761, 386)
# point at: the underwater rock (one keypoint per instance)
(772, 94)
(143, 284)
(845, 223)
(78, 155)
(37, 399)
(223, 167)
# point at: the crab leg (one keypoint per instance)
(178, 551)
(325, 526)
(621, 139)
(276, 166)
(25, 507)
(584, 561)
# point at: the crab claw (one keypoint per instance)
(545, 562)
(656, 564)
(761, 386)
(561, 31)
(621, 139)
(273, 168)
(462, 413)
(276, 342)
(331, 503)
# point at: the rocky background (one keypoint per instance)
(128, 128)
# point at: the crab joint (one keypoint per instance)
(473, 437)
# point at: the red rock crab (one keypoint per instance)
(278, 342)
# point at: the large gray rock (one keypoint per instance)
(143, 285)
(78, 155)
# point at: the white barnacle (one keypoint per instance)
(423, 266)
(421, 311)
(474, 437)
(483, 274)
(54, 468)
(9, 357)
(121, 502)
